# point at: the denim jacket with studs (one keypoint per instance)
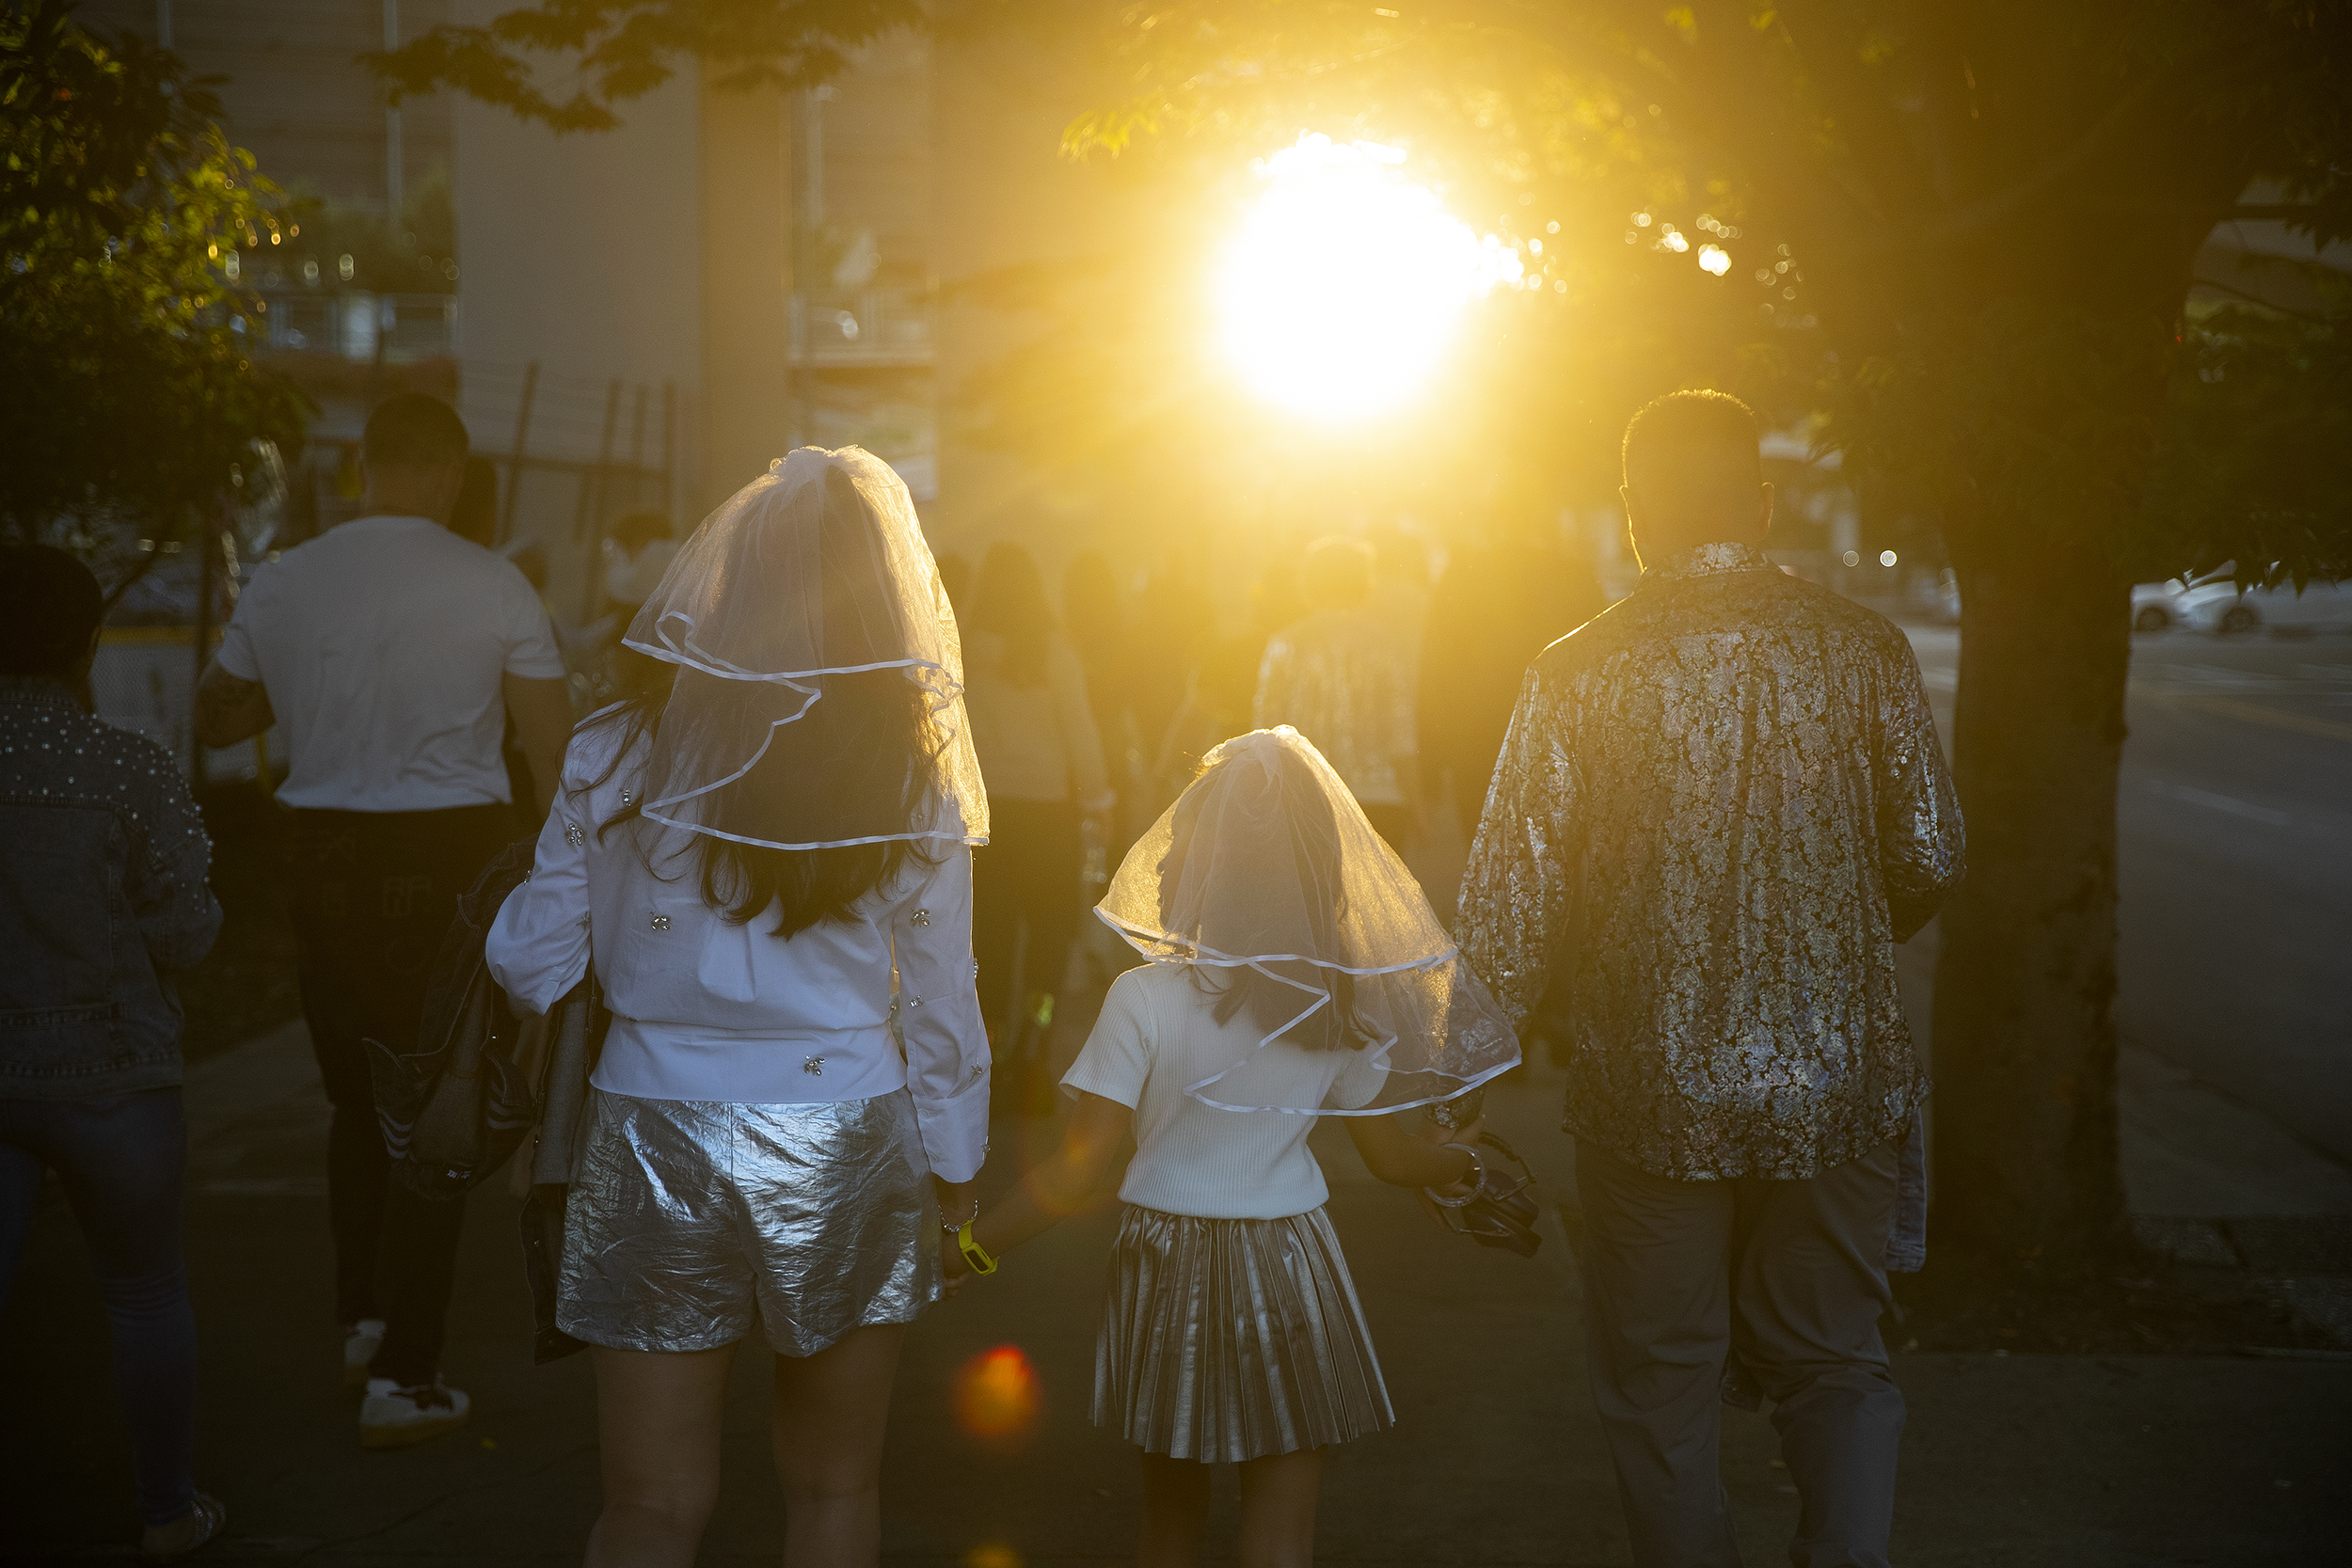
(103, 896)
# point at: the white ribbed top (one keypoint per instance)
(1158, 1034)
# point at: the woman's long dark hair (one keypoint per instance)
(1010, 601)
(873, 732)
(868, 740)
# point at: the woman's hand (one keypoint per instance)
(959, 1202)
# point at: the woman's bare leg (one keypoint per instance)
(1175, 1512)
(831, 1411)
(657, 1417)
(1279, 1495)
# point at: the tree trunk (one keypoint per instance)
(2025, 987)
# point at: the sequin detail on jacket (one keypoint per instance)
(1721, 804)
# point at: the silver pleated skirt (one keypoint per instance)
(690, 1219)
(1231, 1339)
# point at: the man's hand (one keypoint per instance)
(228, 710)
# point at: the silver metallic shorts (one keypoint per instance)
(690, 1217)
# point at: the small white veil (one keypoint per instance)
(1266, 878)
(807, 623)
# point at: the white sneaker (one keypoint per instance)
(392, 1417)
(361, 1340)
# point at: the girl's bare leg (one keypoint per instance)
(831, 1410)
(1279, 1495)
(1175, 1510)
(658, 1419)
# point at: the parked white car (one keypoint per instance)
(2219, 607)
(2160, 606)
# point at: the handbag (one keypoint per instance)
(1503, 1211)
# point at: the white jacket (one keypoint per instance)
(703, 1009)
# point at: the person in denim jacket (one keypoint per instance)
(101, 896)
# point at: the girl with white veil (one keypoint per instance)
(746, 850)
(1295, 971)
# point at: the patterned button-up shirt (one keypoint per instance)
(1721, 804)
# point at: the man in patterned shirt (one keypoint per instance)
(1721, 804)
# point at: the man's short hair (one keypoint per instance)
(49, 606)
(413, 431)
(1713, 423)
(1336, 571)
(1692, 460)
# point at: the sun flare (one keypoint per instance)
(1342, 288)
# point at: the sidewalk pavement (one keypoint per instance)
(2029, 1460)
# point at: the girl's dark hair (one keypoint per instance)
(864, 751)
(1010, 601)
(1270, 1002)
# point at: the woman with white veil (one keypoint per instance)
(746, 850)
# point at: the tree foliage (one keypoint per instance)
(1978, 220)
(624, 48)
(126, 383)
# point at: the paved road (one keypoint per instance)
(2235, 839)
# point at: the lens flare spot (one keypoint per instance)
(996, 1395)
(991, 1554)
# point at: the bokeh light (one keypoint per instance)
(991, 1554)
(1339, 293)
(996, 1395)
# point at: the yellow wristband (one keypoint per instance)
(973, 1252)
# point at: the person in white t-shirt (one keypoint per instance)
(1295, 971)
(390, 652)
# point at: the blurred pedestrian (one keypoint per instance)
(1720, 806)
(1343, 676)
(1223, 685)
(101, 900)
(1400, 586)
(759, 1148)
(1172, 618)
(475, 519)
(1042, 758)
(955, 579)
(1094, 612)
(1503, 599)
(636, 551)
(391, 653)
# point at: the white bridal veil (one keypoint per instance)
(1266, 878)
(802, 614)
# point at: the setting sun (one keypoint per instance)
(1342, 288)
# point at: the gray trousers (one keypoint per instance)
(1788, 1275)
